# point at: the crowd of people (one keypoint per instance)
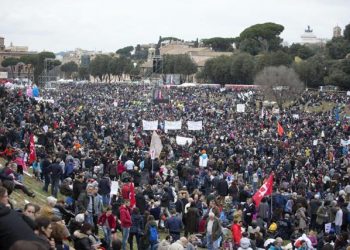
(85, 146)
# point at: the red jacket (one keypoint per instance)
(120, 168)
(125, 217)
(236, 233)
(112, 222)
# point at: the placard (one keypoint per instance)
(149, 125)
(192, 125)
(240, 108)
(182, 141)
(114, 188)
(172, 125)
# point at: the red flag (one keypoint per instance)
(266, 189)
(132, 195)
(280, 129)
(32, 153)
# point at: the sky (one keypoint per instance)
(108, 25)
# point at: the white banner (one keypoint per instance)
(240, 108)
(182, 141)
(296, 116)
(344, 142)
(149, 125)
(315, 142)
(114, 188)
(173, 125)
(192, 125)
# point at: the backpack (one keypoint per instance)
(153, 235)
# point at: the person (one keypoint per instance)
(213, 232)
(180, 244)
(104, 187)
(29, 211)
(4, 198)
(136, 228)
(81, 237)
(90, 203)
(338, 221)
(277, 244)
(125, 222)
(151, 233)
(245, 244)
(27, 245)
(236, 232)
(108, 223)
(174, 225)
(44, 229)
(59, 233)
(13, 228)
(165, 243)
(192, 219)
(56, 172)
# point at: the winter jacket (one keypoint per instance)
(104, 186)
(111, 220)
(13, 228)
(82, 241)
(83, 203)
(174, 224)
(216, 230)
(236, 233)
(137, 223)
(125, 217)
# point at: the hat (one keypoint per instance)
(80, 218)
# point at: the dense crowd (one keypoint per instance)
(92, 159)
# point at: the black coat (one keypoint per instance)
(141, 202)
(13, 228)
(222, 187)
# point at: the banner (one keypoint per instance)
(32, 153)
(296, 116)
(280, 129)
(192, 125)
(344, 142)
(149, 125)
(315, 142)
(240, 108)
(173, 125)
(114, 188)
(203, 160)
(156, 146)
(182, 141)
(264, 190)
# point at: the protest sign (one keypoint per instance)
(149, 125)
(240, 108)
(114, 188)
(182, 141)
(192, 125)
(173, 125)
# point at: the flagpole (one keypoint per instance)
(271, 207)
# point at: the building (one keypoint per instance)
(199, 55)
(336, 31)
(13, 51)
(79, 56)
(309, 38)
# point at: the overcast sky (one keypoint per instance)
(108, 25)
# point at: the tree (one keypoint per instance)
(218, 70)
(338, 47)
(179, 64)
(242, 68)
(10, 62)
(219, 43)
(347, 32)
(140, 53)
(339, 74)
(126, 51)
(99, 67)
(312, 71)
(84, 73)
(39, 68)
(279, 84)
(31, 61)
(272, 59)
(260, 37)
(69, 67)
(302, 51)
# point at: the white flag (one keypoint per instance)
(156, 146)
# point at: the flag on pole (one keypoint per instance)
(156, 146)
(132, 195)
(280, 129)
(32, 153)
(264, 190)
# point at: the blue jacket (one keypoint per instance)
(174, 224)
